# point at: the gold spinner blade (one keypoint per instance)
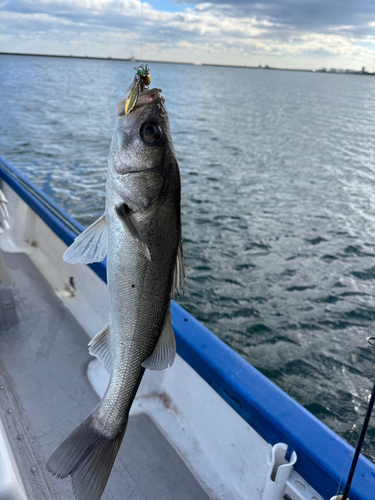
(142, 79)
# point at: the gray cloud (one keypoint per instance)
(305, 15)
(311, 15)
(348, 17)
(74, 12)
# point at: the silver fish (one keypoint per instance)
(140, 232)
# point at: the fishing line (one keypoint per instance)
(371, 341)
(345, 466)
(354, 429)
(140, 45)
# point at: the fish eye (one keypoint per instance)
(150, 133)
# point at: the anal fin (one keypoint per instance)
(165, 349)
(100, 347)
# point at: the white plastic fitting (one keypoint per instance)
(11, 486)
(279, 472)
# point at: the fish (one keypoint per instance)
(140, 233)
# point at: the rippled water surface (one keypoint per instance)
(278, 204)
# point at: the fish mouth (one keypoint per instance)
(146, 98)
(149, 96)
(141, 171)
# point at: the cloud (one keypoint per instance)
(300, 33)
(303, 14)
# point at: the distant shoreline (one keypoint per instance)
(132, 59)
(129, 59)
(331, 72)
(259, 67)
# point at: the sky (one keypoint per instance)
(298, 34)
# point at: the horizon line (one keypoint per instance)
(132, 59)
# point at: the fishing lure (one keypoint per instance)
(142, 79)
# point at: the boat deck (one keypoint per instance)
(45, 394)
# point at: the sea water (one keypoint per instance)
(278, 204)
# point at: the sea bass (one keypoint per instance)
(140, 232)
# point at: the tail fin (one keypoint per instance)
(87, 455)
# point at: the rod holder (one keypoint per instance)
(279, 471)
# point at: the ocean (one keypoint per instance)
(278, 204)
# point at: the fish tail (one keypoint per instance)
(87, 455)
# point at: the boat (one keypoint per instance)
(209, 427)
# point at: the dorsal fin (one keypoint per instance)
(178, 284)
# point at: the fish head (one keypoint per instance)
(141, 138)
(142, 154)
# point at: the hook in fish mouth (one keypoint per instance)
(149, 96)
(142, 99)
(145, 99)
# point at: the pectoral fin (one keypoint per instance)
(90, 246)
(165, 350)
(122, 212)
(99, 346)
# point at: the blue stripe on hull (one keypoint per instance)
(322, 454)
